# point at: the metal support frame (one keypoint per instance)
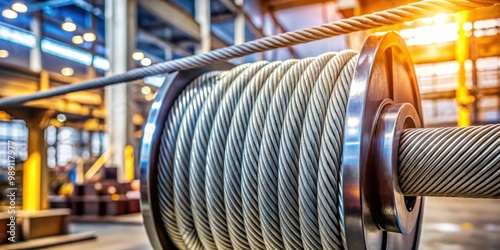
(272, 13)
(202, 16)
(120, 35)
(239, 27)
(35, 63)
(35, 171)
(173, 15)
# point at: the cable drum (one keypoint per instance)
(250, 158)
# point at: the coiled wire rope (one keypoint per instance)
(250, 157)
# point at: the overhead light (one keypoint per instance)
(17, 36)
(77, 39)
(89, 37)
(67, 71)
(440, 18)
(467, 26)
(145, 90)
(8, 13)
(137, 55)
(20, 7)
(149, 97)
(4, 53)
(146, 61)
(427, 20)
(101, 63)
(62, 50)
(68, 25)
(61, 117)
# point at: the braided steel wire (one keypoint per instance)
(310, 143)
(330, 196)
(166, 160)
(269, 156)
(234, 152)
(287, 176)
(237, 146)
(181, 192)
(392, 16)
(452, 162)
(250, 158)
(198, 161)
(215, 167)
(251, 153)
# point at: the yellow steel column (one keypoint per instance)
(129, 163)
(35, 171)
(463, 98)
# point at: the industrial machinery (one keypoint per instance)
(318, 153)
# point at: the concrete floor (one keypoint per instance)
(448, 224)
(451, 223)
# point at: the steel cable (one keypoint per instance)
(251, 152)
(198, 160)
(396, 15)
(269, 156)
(166, 161)
(236, 148)
(215, 166)
(234, 152)
(452, 162)
(182, 150)
(310, 145)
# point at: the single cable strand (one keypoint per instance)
(396, 15)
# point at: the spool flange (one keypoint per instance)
(383, 76)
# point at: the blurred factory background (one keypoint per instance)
(76, 155)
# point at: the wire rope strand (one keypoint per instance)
(215, 157)
(269, 156)
(465, 164)
(330, 196)
(251, 153)
(166, 160)
(234, 151)
(197, 179)
(288, 155)
(412, 11)
(325, 76)
(182, 197)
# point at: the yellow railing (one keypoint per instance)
(99, 164)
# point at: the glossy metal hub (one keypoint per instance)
(395, 213)
(384, 74)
